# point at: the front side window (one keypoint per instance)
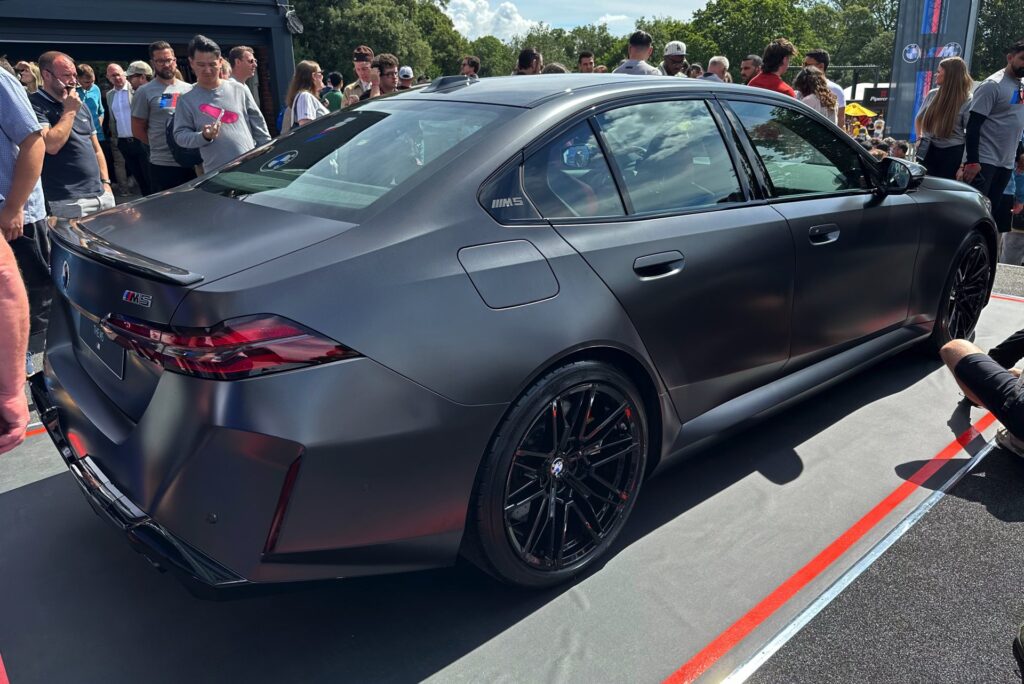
(800, 155)
(343, 164)
(569, 177)
(671, 155)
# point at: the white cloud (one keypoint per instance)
(613, 19)
(475, 18)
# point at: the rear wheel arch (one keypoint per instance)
(638, 371)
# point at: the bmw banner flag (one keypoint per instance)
(927, 32)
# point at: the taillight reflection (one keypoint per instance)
(236, 348)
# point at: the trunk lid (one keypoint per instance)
(140, 260)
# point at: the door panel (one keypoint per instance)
(855, 251)
(857, 285)
(705, 277)
(719, 325)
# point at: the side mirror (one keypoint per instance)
(899, 175)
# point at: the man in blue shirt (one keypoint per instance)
(93, 99)
(22, 208)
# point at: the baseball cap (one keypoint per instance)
(139, 67)
(674, 48)
(405, 73)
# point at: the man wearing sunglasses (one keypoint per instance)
(219, 118)
(75, 178)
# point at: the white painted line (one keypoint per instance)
(748, 668)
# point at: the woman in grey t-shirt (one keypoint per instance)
(942, 119)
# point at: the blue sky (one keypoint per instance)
(507, 18)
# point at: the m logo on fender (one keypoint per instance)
(133, 297)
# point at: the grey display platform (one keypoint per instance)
(710, 539)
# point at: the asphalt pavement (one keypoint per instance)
(709, 539)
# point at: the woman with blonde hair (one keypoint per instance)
(304, 93)
(941, 122)
(815, 93)
(29, 75)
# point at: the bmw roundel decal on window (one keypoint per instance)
(280, 161)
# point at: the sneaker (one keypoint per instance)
(1007, 441)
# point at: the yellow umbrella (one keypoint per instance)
(857, 109)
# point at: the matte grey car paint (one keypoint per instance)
(429, 289)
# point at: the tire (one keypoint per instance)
(589, 476)
(965, 293)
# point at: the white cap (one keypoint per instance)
(405, 73)
(675, 47)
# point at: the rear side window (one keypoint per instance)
(569, 177)
(801, 156)
(671, 155)
(347, 162)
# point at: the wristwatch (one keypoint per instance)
(105, 181)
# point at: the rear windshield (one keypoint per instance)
(355, 160)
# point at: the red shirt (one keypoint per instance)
(772, 82)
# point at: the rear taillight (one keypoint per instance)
(233, 349)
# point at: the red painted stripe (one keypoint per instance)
(32, 433)
(1008, 298)
(3, 672)
(725, 641)
(936, 14)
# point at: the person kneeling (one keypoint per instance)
(988, 384)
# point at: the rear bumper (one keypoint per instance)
(201, 575)
(196, 481)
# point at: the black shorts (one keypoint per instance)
(998, 389)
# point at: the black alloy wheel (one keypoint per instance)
(966, 292)
(566, 477)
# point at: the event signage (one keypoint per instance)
(876, 99)
(927, 32)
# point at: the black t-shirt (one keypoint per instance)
(73, 172)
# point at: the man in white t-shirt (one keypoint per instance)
(639, 52)
(820, 59)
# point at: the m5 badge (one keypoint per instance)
(133, 297)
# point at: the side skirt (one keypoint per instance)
(786, 391)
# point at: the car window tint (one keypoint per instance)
(671, 155)
(569, 177)
(353, 160)
(800, 155)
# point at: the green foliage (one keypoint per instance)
(496, 58)
(1000, 25)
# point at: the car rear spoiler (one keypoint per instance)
(76, 238)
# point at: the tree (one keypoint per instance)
(447, 46)
(740, 28)
(1000, 25)
(495, 57)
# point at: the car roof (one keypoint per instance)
(531, 91)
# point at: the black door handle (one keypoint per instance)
(658, 265)
(823, 234)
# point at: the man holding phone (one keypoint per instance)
(218, 117)
(367, 83)
(75, 178)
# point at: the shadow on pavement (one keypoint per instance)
(79, 605)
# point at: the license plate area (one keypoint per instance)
(97, 342)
